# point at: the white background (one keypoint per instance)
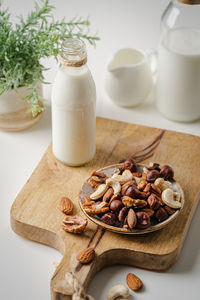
(26, 267)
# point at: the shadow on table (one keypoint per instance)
(191, 247)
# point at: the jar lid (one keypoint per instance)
(73, 53)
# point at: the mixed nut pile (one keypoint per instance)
(134, 196)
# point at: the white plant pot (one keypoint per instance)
(13, 110)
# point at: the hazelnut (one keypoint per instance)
(122, 214)
(143, 220)
(161, 214)
(152, 175)
(132, 191)
(116, 205)
(154, 166)
(126, 185)
(130, 164)
(154, 201)
(167, 172)
(109, 218)
(117, 196)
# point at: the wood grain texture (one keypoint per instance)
(35, 213)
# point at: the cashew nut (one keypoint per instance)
(163, 184)
(117, 171)
(114, 184)
(126, 176)
(169, 199)
(167, 185)
(159, 182)
(116, 291)
(100, 191)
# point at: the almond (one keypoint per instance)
(133, 282)
(131, 218)
(66, 205)
(86, 255)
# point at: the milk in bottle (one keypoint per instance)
(73, 107)
(178, 80)
(178, 85)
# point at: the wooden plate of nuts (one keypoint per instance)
(132, 198)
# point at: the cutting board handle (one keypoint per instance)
(60, 288)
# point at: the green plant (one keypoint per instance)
(24, 44)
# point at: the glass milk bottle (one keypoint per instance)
(73, 106)
(178, 84)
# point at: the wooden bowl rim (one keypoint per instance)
(133, 231)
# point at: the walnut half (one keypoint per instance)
(74, 224)
(93, 208)
(129, 202)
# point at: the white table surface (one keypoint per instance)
(26, 267)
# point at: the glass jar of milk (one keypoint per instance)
(178, 82)
(73, 106)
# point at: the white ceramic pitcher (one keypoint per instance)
(128, 78)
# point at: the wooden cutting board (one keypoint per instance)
(35, 213)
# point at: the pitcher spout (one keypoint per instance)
(125, 59)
